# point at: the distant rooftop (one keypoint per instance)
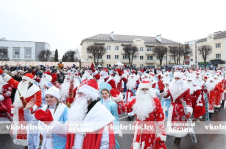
(217, 35)
(127, 38)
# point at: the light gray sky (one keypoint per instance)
(64, 23)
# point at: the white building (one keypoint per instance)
(21, 50)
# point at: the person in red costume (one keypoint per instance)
(178, 92)
(26, 91)
(103, 77)
(5, 101)
(87, 111)
(210, 85)
(219, 90)
(148, 111)
(54, 80)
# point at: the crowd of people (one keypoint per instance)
(59, 97)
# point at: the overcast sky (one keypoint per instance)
(64, 23)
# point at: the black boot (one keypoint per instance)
(177, 143)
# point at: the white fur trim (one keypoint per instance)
(95, 73)
(88, 90)
(1, 98)
(225, 91)
(178, 75)
(99, 116)
(163, 94)
(6, 78)
(58, 112)
(136, 145)
(35, 107)
(48, 78)
(20, 142)
(117, 99)
(103, 73)
(28, 79)
(217, 106)
(162, 137)
(145, 85)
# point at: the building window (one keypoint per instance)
(149, 57)
(27, 53)
(218, 55)
(108, 56)
(141, 57)
(141, 48)
(141, 65)
(157, 57)
(191, 60)
(108, 65)
(164, 58)
(171, 58)
(218, 45)
(108, 47)
(16, 52)
(116, 47)
(99, 56)
(116, 56)
(150, 49)
(125, 57)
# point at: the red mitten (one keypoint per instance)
(44, 116)
(188, 115)
(161, 85)
(1, 71)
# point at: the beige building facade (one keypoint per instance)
(218, 43)
(114, 45)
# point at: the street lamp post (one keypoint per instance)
(102, 63)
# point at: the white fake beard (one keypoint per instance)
(78, 110)
(199, 81)
(64, 92)
(144, 106)
(23, 87)
(42, 82)
(176, 86)
(76, 83)
(210, 86)
(117, 79)
(101, 79)
(131, 84)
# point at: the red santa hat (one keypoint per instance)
(54, 77)
(145, 84)
(47, 72)
(89, 87)
(178, 75)
(116, 95)
(29, 77)
(104, 72)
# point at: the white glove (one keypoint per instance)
(1, 98)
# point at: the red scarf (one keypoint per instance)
(92, 140)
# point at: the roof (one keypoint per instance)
(216, 36)
(22, 41)
(220, 35)
(126, 38)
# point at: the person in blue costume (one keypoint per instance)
(166, 101)
(59, 112)
(112, 107)
(46, 86)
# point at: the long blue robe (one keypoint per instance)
(59, 141)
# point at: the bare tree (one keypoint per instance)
(174, 52)
(44, 55)
(71, 56)
(160, 51)
(131, 52)
(204, 51)
(96, 52)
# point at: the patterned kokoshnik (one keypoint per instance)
(206, 104)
